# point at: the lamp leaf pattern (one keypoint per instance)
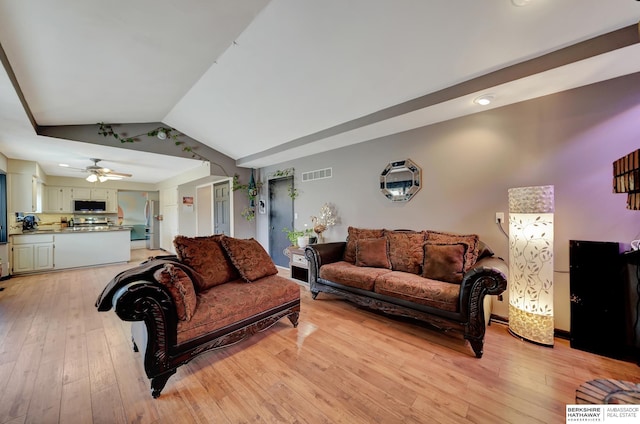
(531, 260)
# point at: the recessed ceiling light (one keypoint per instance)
(484, 100)
(520, 2)
(64, 165)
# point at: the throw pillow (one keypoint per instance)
(470, 240)
(444, 262)
(208, 258)
(181, 289)
(406, 250)
(249, 258)
(372, 252)
(352, 239)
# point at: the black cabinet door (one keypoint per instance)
(597, 298)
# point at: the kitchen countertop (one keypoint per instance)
(77, 229)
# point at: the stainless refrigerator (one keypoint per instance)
(153, 224)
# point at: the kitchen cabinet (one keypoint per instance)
(81, 193)
(112, 201)
(99, 194)
(87, 193)
(32, 253)
(57, 199)
(25, 193)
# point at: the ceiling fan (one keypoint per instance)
(98, 173)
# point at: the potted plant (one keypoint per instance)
(298, 238)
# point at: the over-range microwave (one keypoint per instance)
(89, 206)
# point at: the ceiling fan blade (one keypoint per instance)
(117, 174)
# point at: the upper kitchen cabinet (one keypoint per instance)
(112, 201)
(24, 179)
(81, 193)
(25, 193)
(91, 193)
(86, 193)
(57, 199)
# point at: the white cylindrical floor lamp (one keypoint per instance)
(531, 263)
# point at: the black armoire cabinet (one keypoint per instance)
(599, 304)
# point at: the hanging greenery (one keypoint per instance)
(291, 190)
(162, 133)
(251, 189)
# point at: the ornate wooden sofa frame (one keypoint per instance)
(137, 296)
(486, 277)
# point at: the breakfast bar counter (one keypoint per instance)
(71, 247)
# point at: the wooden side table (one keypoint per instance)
(298, 264)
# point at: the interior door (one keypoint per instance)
(204, 213)
(280, 217)
(222, 209)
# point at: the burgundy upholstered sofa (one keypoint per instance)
(215, 292)
(435, 277)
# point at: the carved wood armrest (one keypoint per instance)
(487, 277)
(320, 254)
(146, 301)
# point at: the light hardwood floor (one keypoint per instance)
(62, 361)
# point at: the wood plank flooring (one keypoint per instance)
(62, 361)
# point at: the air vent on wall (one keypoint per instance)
(317, 175)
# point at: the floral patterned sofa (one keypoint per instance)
(215, 292)
(435, 277)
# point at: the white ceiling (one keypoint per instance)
(247, 77)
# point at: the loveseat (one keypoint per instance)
(215, 292)
(440, 278)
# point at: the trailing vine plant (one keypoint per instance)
(291, 190)
(252, 189)
(106, 130)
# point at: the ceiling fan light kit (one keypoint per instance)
(98, 173)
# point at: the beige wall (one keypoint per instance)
(569, 140)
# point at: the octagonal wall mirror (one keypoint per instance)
(400, 180)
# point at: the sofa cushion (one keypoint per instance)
(471, 240)
(181, 289)
(424, 291)
(249, 258)
(352, 238)
(208, 258)
(346, 273)
(373, 252)
(234, 301)
(444, 262)
(406, 250)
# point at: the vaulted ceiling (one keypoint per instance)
(267, 81)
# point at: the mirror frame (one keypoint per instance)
(409, 187)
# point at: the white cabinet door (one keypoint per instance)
(99, 194)
(21, 192)
(112, 201)
(22, 258)
(57, 199)
(81, 193)
(42, 256)
(52, 199)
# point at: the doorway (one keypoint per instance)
(204, 212)
(221, 208)
(280, 217)
(213, 209)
